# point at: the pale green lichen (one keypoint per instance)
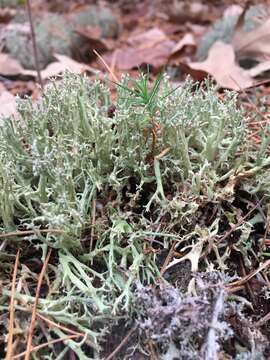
(65, 155)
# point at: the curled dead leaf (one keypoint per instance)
(187, 40)
(65, 63)
(220, 64)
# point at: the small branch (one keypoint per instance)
(168, 258)
(122, 343)
(246, 278)
(93, 223)
(34, 310)
(54, 324)
(41, 346)
(263, 320)
(31, 232)
(11, 310)
(240, 222)
(33, 36)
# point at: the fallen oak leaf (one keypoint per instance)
(2, 88)
(8, 104)
(10, 66)
(128, 58)
(6, 14)
(147, 39)
(255, 43)
(259, 69)
(220, 64)
(65, 63)
(152, 47)
(187, 40)
(94, 38)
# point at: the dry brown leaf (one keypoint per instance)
(9, 66)
(2, 88)
(93, 34)
(7, 104)
(221, 65)
(65, 63)
(147, 39)
(152, 47)
(260, 68)
(187, 40)
(6, 14)
(255, 43)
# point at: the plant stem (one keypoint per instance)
(33, 36)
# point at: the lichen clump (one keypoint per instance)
(112, 189)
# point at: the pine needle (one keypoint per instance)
(34, 310)
(11, 310)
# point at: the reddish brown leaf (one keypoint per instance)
(260, 68)
(9, 66)
(221, 65)
(187, 40)
(255, 43)
(6, 14)
(147, 39)
(7, 104)
(152, 47)
(94, 37)
(65, 63)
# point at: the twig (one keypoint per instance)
(168, 258)
(249, 276)
(240, 222)
(233, 228)
(262, 320)
(28, 4)
(52, 323)
(93, 222)
(153, 355)
(31, 232)
(163, 153)
(263, 82)
(248, 287)
(34, 310)
(231, 290)
(267, 228)
(41, 346)
(260, 122)
(122, 343)
(11, 310)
